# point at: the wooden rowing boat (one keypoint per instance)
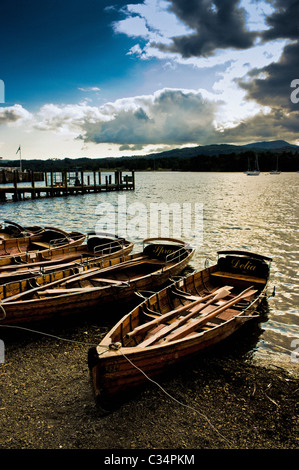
(176, 323)
(116, 280)
(14, 251)
(10, 230)
(91, 253)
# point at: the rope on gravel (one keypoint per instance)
(147, 377)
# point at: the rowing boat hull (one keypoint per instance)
(43, 309)
(22, 250)
(116, 367)
(62, 258)
(32, 233)
(37, 309)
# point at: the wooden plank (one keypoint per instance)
(173, 313)
(41, 245)
(40, 288)
(67, 291)
(195, 309)
(237, 276)
(186, 329)
(109, 281)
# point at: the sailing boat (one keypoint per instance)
(256, 170)
(275, 172)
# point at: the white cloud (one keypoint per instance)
(239, 63)
(256, 13)
(15, 115)
(67, 119)
(169, 116)
(133, 27)
(90, 88)
(151, 20)
(166, 117)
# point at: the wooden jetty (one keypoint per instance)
(63, 184)
(8, 175)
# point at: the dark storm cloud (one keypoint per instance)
(272, 85)
(283, 23)
(275, 89)
(216, 24)
(262, 126)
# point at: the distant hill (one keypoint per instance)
(223, 149)
(273, 145)
(215, 157)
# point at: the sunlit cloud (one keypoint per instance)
(15, 115)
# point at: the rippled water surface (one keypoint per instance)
(214, 211)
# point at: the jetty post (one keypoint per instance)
(59, 183)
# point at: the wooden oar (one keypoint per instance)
(176, 312)
(69, 279)
(124, 264)
(75, 290)
(194, 325)
(45, 286)
(181, 321)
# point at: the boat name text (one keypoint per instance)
(248, 266)
(161, 250)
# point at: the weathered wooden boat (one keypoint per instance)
(27, 250)
(178, 322)
(10, 230)
(95, 250)
(118, 280)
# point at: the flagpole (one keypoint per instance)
(19, 150)
(20, 159)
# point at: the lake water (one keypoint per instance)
(213, 211)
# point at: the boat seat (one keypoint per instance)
(66, 291)
(185, 295)
(41, 245)
(154, 331)
(108, 281)
(241, 277)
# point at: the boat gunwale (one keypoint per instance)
(82, 290)
(132, 350)
(260, 295)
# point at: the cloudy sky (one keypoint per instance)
(102, 78)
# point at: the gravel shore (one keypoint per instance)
(220, 400)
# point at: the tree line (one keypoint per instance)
(231, 162)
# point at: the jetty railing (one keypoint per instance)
(64, 183)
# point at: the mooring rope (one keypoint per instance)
(177, 401)
(4, 312)
(47, 334)
(129, 360)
